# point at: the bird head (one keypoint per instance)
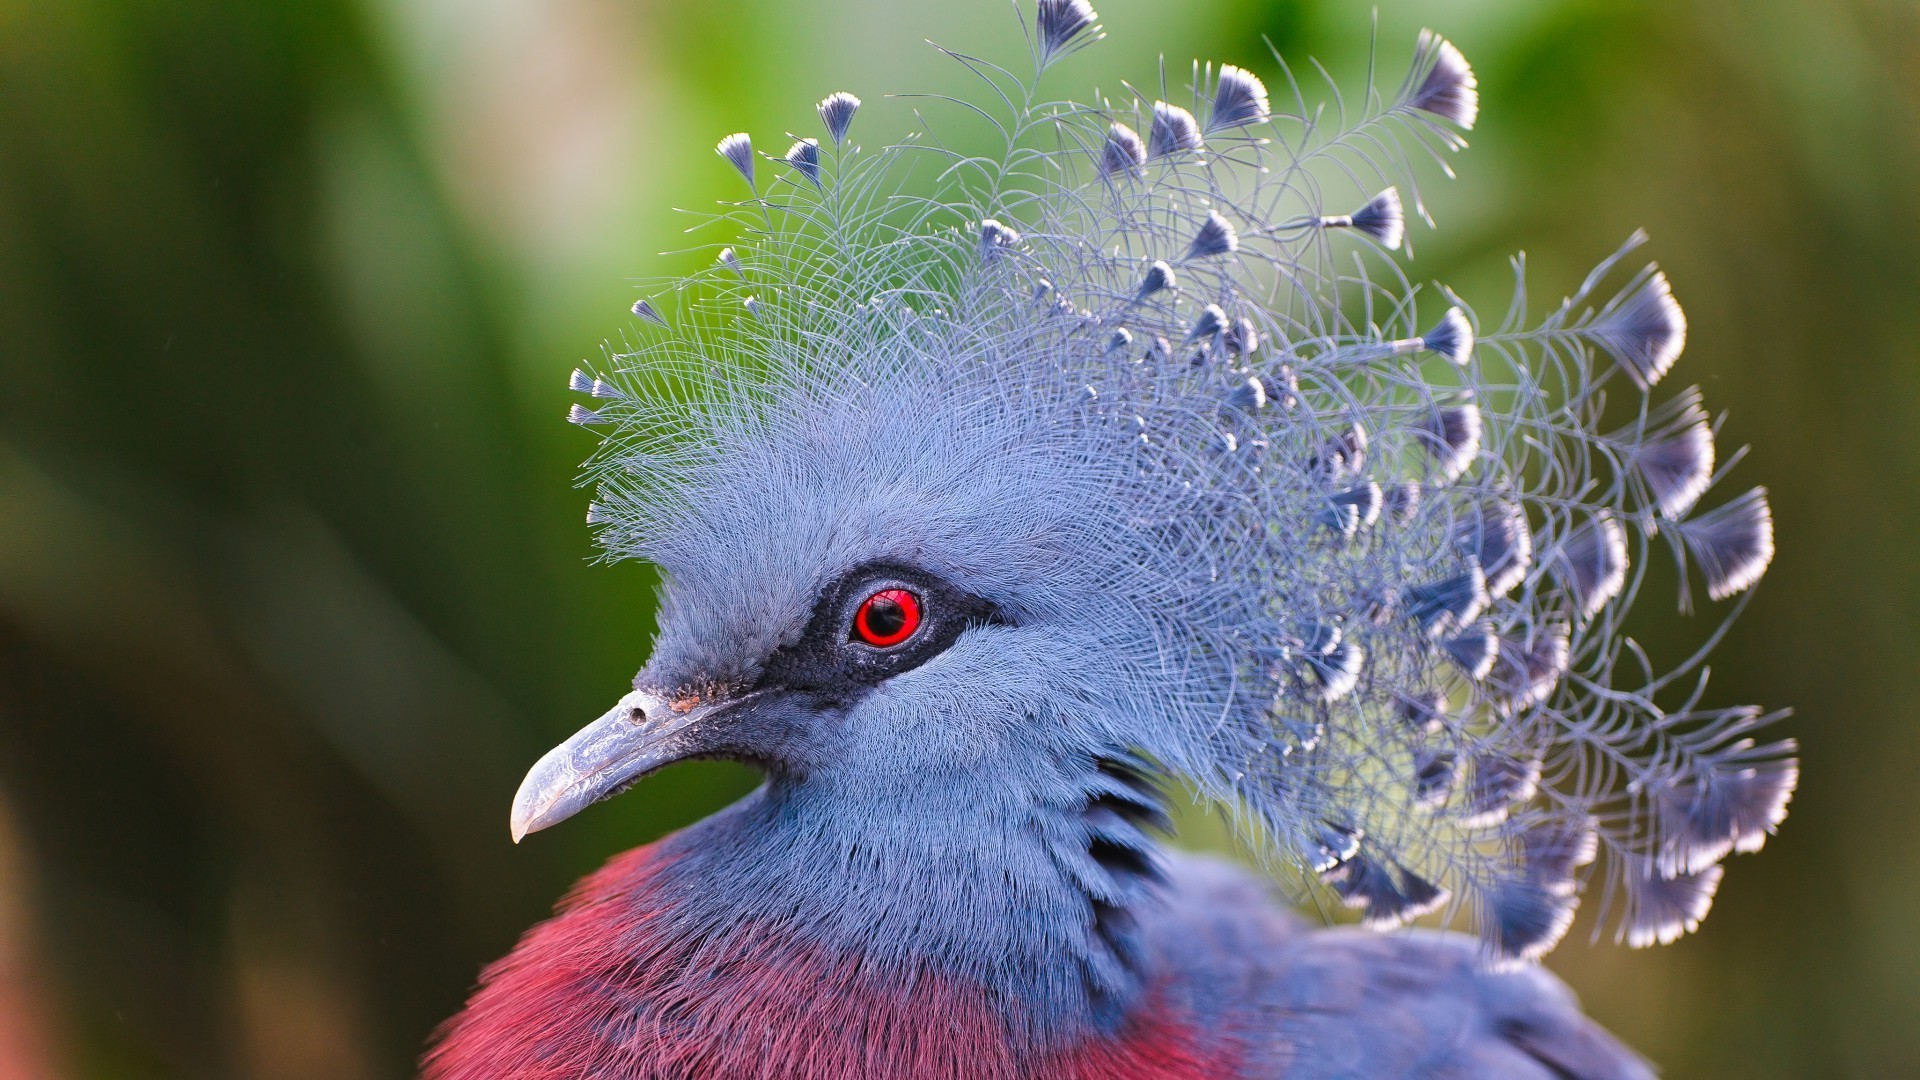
(893, 583)
(1146, 449)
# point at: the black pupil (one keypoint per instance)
(885, 616)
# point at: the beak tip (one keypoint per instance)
(526, 819)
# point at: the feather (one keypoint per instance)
(1732, 543)
(1475, 650)
(1368, 498)
(1717, 808)
(1060, 24)
(1425, 711)
(1403, 501)
(1497, 535)
(1443, 607)
(1526, 672)
(1216, 237)
(1435, 773)
(1304, 738)
(1338, 672)
(804, 156)
(1674, 455)
(1209, 325)
(1643, 328)
(1553, 851)
(1345, 454)
(1283, 385)
(1452, 437)
(1389, 896)
(1249, 396)
(1451, 337)
(1242, 337)
(1173, 130)
(1591, 563)
(1123, 152)
(738, 150)
(1663, 908)
(1239, 100)
(996, 238)
(1524, 919)
(1446, 84)
(1158, 278)
(836, 114)
(1382, 219)
(1499, 782)
(1334, 844)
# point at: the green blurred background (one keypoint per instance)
(293, 581)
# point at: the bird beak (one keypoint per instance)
(642, 733)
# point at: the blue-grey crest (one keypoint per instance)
(1236, 499)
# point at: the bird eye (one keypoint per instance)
(887, 618)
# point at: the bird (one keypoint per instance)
(1018, 491)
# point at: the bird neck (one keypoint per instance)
(1027, 902)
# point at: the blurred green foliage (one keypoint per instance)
(293, 583)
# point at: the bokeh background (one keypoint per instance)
(294, 583)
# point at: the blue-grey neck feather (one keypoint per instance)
(920, 833)
(913, 890)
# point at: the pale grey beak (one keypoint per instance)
(640, 734)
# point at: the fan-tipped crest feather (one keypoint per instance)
(737, 149)
(1381, 219)
(1443, 84)
(836, 114)
(1061, 25)
(1673, 453)
(1644, 329)
(1733, 543)
(1239, 100)
(1174, 130)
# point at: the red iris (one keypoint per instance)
(887, 618)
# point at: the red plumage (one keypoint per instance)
(600, 992)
